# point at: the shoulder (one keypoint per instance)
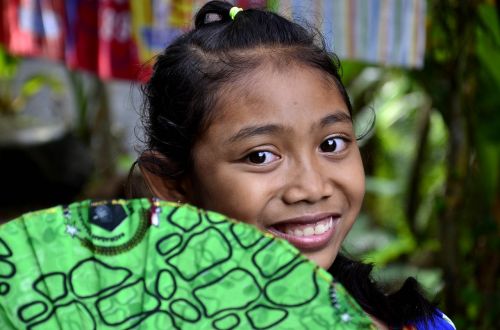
(439, 321)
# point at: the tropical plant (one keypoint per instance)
(433, 160)
(12, 102)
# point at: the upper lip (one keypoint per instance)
(307, 219)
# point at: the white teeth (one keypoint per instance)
(294, 232)
(319, 228)
(309, 231)
(329, 224)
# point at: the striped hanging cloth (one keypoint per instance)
(388, 32)
(93, 34)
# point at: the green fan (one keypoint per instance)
(150, 264)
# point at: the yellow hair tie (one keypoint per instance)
(233, 11)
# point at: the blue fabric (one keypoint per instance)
(439, 322)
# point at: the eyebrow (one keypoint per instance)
(271, 129)
(336, 117)
(252, 131)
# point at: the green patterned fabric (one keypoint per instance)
(141, 264)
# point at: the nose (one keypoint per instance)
(307, 181)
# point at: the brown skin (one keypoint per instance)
(297, 177)
(284, 169)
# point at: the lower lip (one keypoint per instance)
(315, 242)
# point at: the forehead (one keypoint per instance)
(271, 93)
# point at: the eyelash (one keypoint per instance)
(257, 153)
(266, 153)
(345, 140)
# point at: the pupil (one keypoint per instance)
(258, 157)
(329, 145)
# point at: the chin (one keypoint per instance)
(325, 264)
(324, 261)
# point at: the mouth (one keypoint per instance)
(306, 234)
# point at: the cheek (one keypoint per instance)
(356, 181)
(238, 196)
(358, 189)
(352, 182)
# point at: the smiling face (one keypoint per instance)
(281, 154)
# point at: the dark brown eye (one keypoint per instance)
(333, 144)
(262, 157)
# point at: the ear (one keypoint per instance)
(161, 187)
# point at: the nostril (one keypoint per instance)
(309, 193)
(307, 181)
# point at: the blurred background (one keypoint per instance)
(424, 74)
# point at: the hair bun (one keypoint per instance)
(213, 11)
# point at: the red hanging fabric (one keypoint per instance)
(53, 37)
(34, 27)
(81, 39)
(22, 23)
(3, 22)
(97, 35)
(118, 55)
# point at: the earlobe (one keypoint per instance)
(162, 187)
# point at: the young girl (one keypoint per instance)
(246, 115)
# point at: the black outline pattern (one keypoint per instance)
(4, 286)
(41, 281)
(277, 279)
(130, 317)
(240, 242)
(10, 273)
(262, 306)
(183, 317)
(205, 232)
(106, 266)
(6, 248)
(157, 284)
(22, 309)
(141, 322)
(231, 327)
(54, 311)
(207, 215)
(260, 266)
(166, 297)
(179, 224)
(167, 237)
(220, 279)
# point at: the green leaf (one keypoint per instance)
(488, 40)
(36, 82)
(8, 65)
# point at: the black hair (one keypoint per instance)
(396, 309)
(189, 79)
(190, 76)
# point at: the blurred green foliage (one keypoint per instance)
(433, 164)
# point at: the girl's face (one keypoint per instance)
(281, 154)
